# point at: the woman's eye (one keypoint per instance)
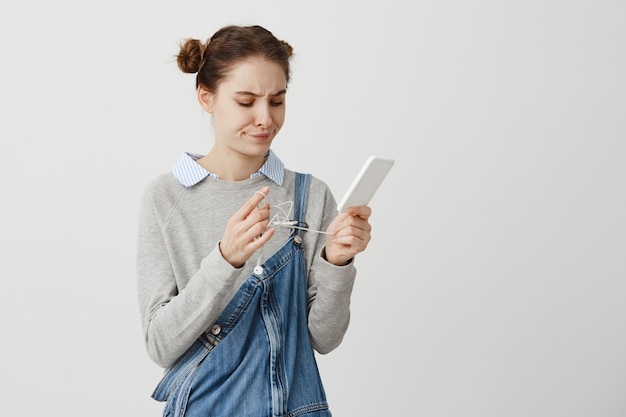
(276, 103)
(246, 103)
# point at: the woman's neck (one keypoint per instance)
(231, 167)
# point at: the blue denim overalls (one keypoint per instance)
(257, 358)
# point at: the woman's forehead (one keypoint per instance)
(257, 76)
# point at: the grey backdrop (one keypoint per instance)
(495, 284)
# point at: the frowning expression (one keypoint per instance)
(248, 108)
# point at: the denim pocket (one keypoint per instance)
(181, 369)
(177, 403)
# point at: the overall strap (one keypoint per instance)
(300, 198)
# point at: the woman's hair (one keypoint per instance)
(226, 48)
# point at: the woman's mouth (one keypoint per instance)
(260, 136)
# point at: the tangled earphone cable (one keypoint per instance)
(281, 219)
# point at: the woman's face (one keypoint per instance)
(248, 108)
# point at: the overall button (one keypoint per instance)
(216, 329)
(297, 240)
(258, 270)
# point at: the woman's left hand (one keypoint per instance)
(350, 235)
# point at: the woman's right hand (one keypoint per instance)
(246, 230)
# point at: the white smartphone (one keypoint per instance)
(366, 182)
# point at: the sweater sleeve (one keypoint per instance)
(329, 286)
(173, 319)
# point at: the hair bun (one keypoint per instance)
(189, 58)
(288, 49)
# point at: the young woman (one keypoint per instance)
(244, 266)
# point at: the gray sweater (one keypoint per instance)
(184, 283)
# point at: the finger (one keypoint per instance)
(351, 235)
(259, 215)
(360, 223)
(256, 230)
(364, 212)
(340, 251)
(337, 223)
(252, 203)
(345, 250)
(260, 240)
(352, 222)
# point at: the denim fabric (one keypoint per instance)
(257, 359)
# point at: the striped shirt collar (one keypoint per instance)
(188, 172)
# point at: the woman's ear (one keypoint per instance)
(205, 98)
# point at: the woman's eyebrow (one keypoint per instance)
(249, 93)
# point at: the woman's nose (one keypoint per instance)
(263, 116)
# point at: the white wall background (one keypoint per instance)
(495, 285)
